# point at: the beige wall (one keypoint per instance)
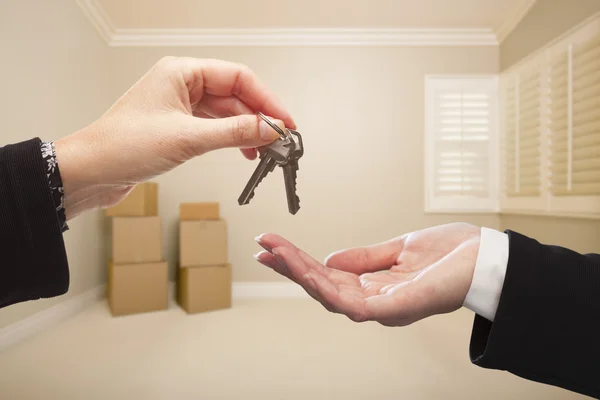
(575, 234)
(54, 81)
(546, 20)
(361, 111)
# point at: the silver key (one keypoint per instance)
(290, 169)
(277, 153)
(284, 152)
(266, 165)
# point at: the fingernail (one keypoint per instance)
(329, 257)
(263, 262)
(259, 241)
(266, 132)
(257, 257)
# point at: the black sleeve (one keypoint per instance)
(547, 325)
(33, 260)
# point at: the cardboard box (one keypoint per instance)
(205, 288)
(138, 288)
(202, 243)
(142, 201)
(198, 211)
(136, 240)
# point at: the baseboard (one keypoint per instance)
(266, 290)
(257, 290)
(44, 319)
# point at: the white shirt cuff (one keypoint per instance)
(488, 277)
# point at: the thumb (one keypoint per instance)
(372, 258)
(239, 131)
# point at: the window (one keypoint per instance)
(521, 138)
(550, 129)
(461, 144)
(574, 124)
(545, 157)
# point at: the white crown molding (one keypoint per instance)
(21, 330)
(513, 20)
(280, 37)
(301, 37)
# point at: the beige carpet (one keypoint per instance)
(260, 349)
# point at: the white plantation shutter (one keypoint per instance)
(461, 141)
(522, 133)
(575, 120)
(551, 128)
(511, 182)
(558, 123)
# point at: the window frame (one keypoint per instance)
(463, 204)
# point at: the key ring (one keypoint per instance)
(283, 134)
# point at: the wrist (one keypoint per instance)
(470, 254)
(80, 190)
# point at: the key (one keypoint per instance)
(277, 153)
(266, 165)
(285, 153)
(290, 169)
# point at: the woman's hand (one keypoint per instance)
(395, 283)
(182, 108)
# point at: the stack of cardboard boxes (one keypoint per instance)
(137, 273)
(204, 274)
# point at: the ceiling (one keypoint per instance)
(495, 15)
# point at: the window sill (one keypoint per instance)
(549, 214)
(541, 214)
(461, 212)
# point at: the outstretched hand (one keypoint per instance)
(395, 283)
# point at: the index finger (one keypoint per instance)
(224, 78)
(270, 241)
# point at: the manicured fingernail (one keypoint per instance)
(258, 258)
(329, 257)
(266, 132)
(259, 241)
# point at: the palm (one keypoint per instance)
(395, 282)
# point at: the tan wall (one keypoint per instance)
(361, 111)
(580, 235)
(54, 80)
(546, 20)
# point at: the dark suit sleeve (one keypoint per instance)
(547, 325)
(33, 260)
